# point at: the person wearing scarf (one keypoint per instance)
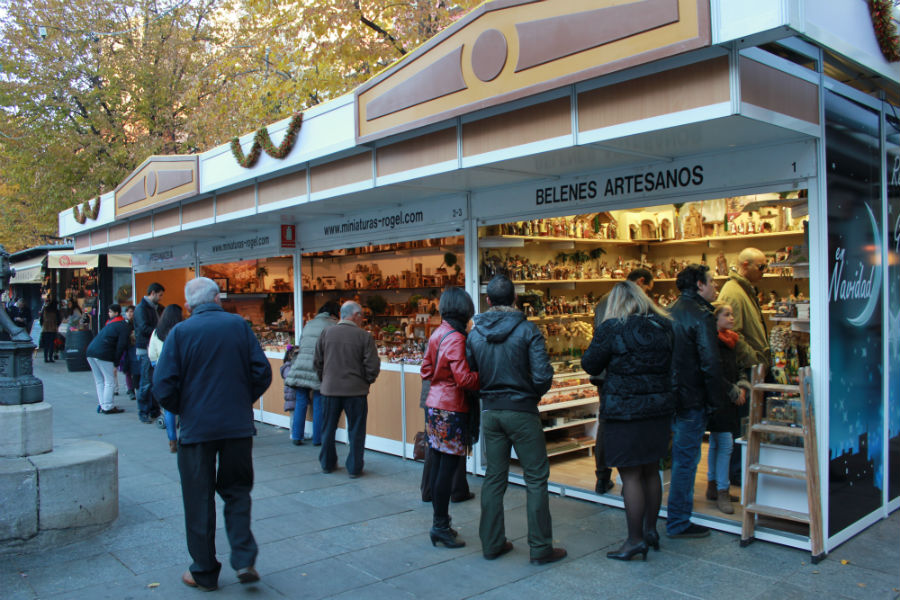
(725, 422)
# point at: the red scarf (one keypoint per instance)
(114, 319)
(728, 337)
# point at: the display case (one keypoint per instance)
(569, 411)
(398, 285)
(261, 291)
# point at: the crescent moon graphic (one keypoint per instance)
(863, 317)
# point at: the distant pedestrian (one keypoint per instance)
(102, 354)
(447, 406)
(21, 314)
(146, 316)
(514, 371)
(633, 345)
(210, 372)
(171, 316)
(125, 362)
(49, 319)
(347, 363)
(303, 378)
(697, 378)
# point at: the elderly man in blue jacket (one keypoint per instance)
(210, 372)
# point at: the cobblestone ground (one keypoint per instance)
(327, 536)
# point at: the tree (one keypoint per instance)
(91, 88)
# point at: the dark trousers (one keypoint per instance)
(148, 407)
(502, 430)
(48, 339)
(356, 409)
(459, 485)
(199, 483)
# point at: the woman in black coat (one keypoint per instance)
(102, 354)
(633, 344)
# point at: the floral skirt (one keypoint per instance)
(446, 430)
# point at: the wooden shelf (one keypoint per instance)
(568, 404)
(401, 289)
(495, 239)
(561, 281)
(571, 424)
(568, 316)
(589, 448)
(728, 238)
(790, 319)
(352, 252)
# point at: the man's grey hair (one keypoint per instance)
(350, 308)
(201, 290)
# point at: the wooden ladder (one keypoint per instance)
(757, 429)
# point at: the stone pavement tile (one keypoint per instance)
(397, 557)
(23, 562)
(466, 576)
(329, 489)
(320, 579)
(142, 478)
(151, 493)
(705, 579)
(361, 510)
(875, 551)
(761, 558)
(580, 541)
(852, 581)
(165, 508)
(284, 504)
(121, 536)
(372, 532)
(55, 578)
(152, 556)
(786, 591)
(14, 586)
(376, 591)
(290, 484)
(290, 553)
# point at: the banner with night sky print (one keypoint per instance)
(855, 279)
(892, 152)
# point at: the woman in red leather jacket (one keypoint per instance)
(446, 412)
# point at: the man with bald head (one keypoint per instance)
(741, 294)
(347, 363)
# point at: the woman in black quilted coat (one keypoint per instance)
(634, 345)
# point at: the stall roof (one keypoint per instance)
(29, 270)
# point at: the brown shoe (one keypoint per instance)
(247, 575)
(504, 549)
(187, 578)
(554, 555)
(711, 492)
(723, 502)
(173, 446)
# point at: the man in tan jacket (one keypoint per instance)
(347, 363)
(739, 292)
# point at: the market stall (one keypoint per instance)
(566, 163)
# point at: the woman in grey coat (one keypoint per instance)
(303, 377)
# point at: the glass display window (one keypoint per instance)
(397, 284)
(261, 291)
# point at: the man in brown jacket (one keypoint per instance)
(346, 362)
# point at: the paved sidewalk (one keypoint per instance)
(327, 536)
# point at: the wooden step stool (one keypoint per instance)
(754, 468)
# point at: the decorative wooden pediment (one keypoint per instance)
(160, 180)
(509, 49)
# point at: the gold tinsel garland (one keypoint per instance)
(261, 141)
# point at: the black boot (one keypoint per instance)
(441, 532)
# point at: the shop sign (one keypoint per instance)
(250, 243)
(379, 224)
(790, 162)
(288, 236)
(70, 260)
(161, 258)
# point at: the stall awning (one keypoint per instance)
(57, 259)
(118, 260)
(28, 271)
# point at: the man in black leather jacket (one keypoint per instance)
(510, 356)
(697, 379)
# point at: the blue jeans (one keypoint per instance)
(686, 441)
(298, 419)
(170, 425)
(719, 458)
(148, 408)
(355, 408)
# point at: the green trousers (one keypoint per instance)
(502, 430)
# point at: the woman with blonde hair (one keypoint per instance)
(633, 344)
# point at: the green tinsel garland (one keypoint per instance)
(261, 141)
(86, 211)
(888, 40)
